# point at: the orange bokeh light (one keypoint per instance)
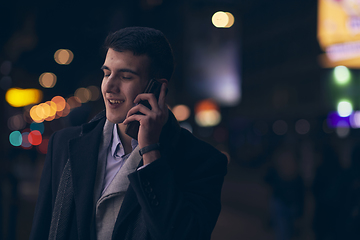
(74, 102)
(60, 102)
(205, 105)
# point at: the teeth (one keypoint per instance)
(115, 101)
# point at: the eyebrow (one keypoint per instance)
(120, 70)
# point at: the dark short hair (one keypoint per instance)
(148, 41)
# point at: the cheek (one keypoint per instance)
(102, 87)
(132, 90)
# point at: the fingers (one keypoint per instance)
(148, 97)
(138, 108)
(134, 117)
(155, 104)
(162, 96)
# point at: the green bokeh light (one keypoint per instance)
(342, 75)
(15, 138)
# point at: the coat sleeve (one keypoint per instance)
(175, 206)
(43, 209)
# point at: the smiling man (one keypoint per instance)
(99, 183)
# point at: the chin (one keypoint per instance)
(114, 119)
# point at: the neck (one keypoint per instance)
(125, 139)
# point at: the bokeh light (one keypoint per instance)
(35, 137)
(52, 110)
(342, 75)
(64, 112)
(95, 93)
(16, 122)
(342, 129)
(15, 138)
(37, 126)
(60, 102)
(344, 108)
(280, 127)
(181, 112)
(18, 97)
(63, 56)
(231, 20)
(25, 140)
(302, 126)
(47, 80)
(83, 94)
(34, 116)
(43, 110)
(5, 68)
(355, 119)
(207, 113)
(42, 148)
(74, 102)
(223, 19)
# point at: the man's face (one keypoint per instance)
(125, 76)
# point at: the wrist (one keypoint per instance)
(151, 156)
(149, 148)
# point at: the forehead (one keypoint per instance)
(126, 60)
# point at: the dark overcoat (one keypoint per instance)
(175, 197)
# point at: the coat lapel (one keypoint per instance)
(83, 152)
(120, 183)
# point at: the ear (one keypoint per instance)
(163, 80)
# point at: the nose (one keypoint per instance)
(111, 85)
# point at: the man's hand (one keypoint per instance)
(151, 122)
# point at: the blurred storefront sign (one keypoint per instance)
(339, 32)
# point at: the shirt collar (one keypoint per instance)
(116, 141)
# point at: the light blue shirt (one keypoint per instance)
(115, 157)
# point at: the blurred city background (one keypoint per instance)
(272, 84)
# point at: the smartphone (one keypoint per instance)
(153, 86)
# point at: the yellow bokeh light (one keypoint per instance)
(207, 113)
(43, 110)
(223, 19)
(208, 118)
(18, 97)
(181, 112)
(33, 114)
(53, 108)
(83, 94)
(47, 80)
(220, 19)
(63, 56)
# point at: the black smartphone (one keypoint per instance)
(153, 86)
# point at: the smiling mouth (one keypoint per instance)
(116, 101)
